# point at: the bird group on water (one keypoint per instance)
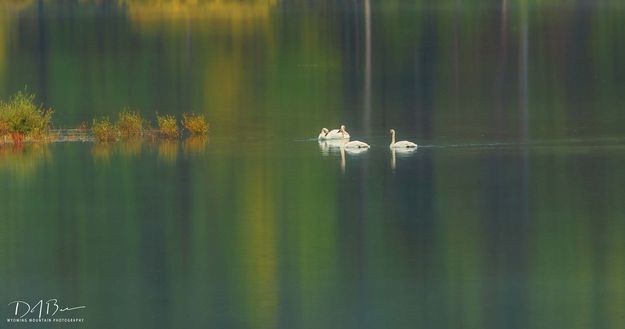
(340, 138)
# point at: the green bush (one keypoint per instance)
(167, 126)
(195, 124)
(130, 123)
(103, 130)
(21, 116)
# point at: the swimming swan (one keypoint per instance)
(400, 144)
(353, 144)
(323, 134)
(356, 145)
(340, 133)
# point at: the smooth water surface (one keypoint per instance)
(510, 214)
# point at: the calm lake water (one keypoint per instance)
(510, 214)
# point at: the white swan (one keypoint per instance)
(340, 133)
(323, 134)
(400, 144)
(353, 144)
(356, 145)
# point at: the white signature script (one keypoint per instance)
(48, 308)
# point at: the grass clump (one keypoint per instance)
(130, 123)
(4, 127)
(103, 130)
(195, 124)
(21, 117)
(167, 126)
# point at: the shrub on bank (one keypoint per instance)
(195, 124)
(103, 130)
(167, 126)
(130, 123)
(21, 117)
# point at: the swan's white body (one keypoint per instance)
(401, 144)
(356, 145)
(334, 134)
(354, 151)
(338, 133)
(353, 144)
(323, 134)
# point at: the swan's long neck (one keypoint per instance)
(392, 138)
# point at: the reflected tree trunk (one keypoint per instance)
(523, 68)
(42, 52)
(523, 185)
(367, 80)
(456, 53)
(500, 97)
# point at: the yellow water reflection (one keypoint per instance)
(4, 31)
(130, 148)
(168, 151)
(23, 161)
(195, 145)
(101, 153)
(8, 8)
(258, 242)
(237, 14)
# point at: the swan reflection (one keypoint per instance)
(400, 153)
(328, 146)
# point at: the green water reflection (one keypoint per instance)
(509, 216)
(502, 237)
